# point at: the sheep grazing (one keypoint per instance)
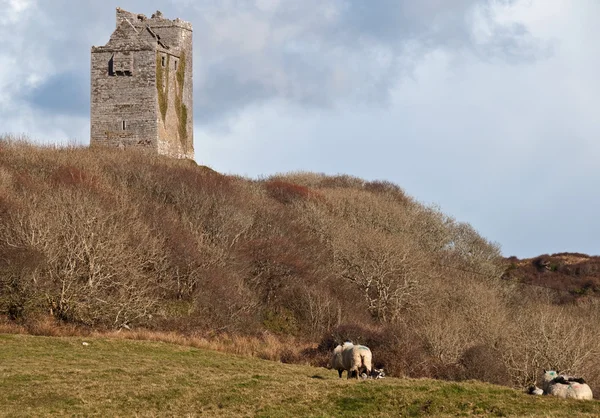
(355, 359)
(336, 360)
(565, 386)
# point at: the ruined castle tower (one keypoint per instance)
(142, 86)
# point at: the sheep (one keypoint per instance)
(356, 359)
(534, 390)
(362, 360)
(565, 386)
(377, 373)
(336, 360)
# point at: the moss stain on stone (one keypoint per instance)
(180, 107)
(162, 79)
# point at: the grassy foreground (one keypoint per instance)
(41, 376)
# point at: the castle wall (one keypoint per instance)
(176, 134)
(124, 14)
(123, 107)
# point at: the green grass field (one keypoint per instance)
(50, 376)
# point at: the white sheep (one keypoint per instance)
(336, 360)
(565, 386)
(355, 359)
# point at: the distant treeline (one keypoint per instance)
(576, 275)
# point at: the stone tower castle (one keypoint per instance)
(142, 86)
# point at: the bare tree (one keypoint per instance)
(541, 336)
(383, 267)
(96, 260)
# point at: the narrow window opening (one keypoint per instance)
(124, 125)
(163, 61)
(176, 62)
(111, 70)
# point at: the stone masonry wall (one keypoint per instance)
(128, 100)
(176, 133)
(142, 86)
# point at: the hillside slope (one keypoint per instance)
(110, 239)
(62, 377)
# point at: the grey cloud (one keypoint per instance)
(307, 52)
(65, 93)
(391, 21)
(223, 94)
(331, 59)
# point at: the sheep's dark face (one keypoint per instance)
(549, 375)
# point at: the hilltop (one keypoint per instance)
(104, 239)
(575, 275)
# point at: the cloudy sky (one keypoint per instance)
(485, 108)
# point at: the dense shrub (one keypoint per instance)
(484, 363)
(285, 192)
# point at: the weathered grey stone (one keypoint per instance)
(141, 86)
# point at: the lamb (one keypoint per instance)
(565, 386)
(355, 359)
(534, 390)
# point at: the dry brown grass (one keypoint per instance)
(266, 346)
